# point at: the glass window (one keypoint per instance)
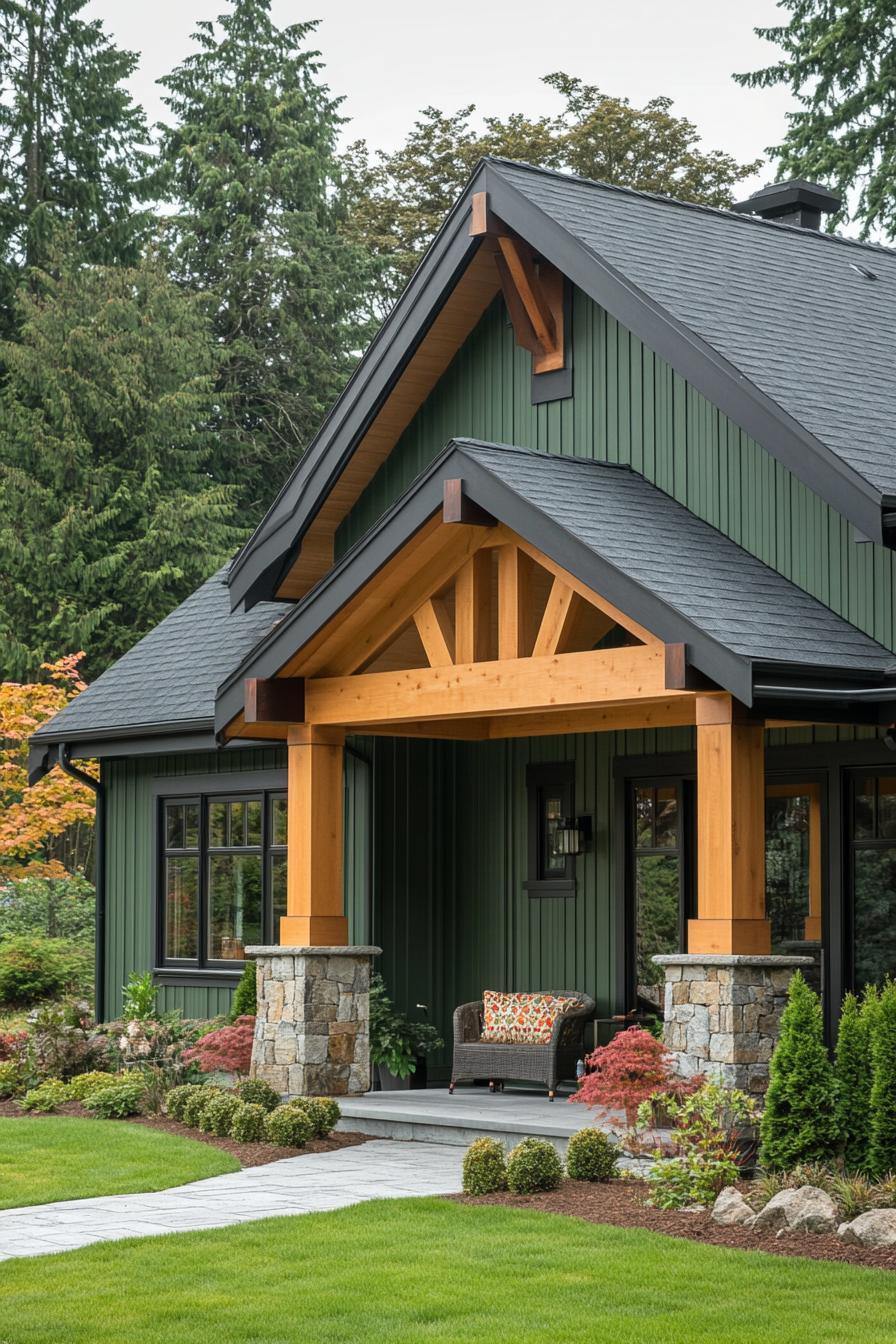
(550, 788)
(788, 813)
(656, 831)
(223, 875)
(873, 861)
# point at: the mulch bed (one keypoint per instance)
(247, 1154)
(621, 1204)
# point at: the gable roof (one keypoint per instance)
(626, 540)
(780, 327)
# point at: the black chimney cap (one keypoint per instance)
(793, 202)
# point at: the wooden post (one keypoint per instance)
(314, 886)
(730, 832)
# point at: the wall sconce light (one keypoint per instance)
(571, 836)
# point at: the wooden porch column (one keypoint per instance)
(730, 833)
(315, 914)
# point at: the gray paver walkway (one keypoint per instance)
(313, 1183)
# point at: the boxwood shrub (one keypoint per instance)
(322, 1112)
(259, 1093)
(176, 1099)
(194, 1105)
(591, 1156)
(485, 1167)
(247, 1122)
(533, 1166)
(84, 1084)
(289, 1126)
(217, 1116)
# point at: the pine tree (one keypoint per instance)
(853, 1072)
(73, 146)
(251, 163)
(109, 516)
(839, 63)
(799, 1123)
(882, 1147)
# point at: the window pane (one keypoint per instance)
(874, 875)
(217, 825)
(181, 904)
(278, 821)
(657, 927)
(787, 868)
(863, 813)
(644, 818)
(234, 882)
(886, 807)
(174, 826)
(666, 806)
(191, 826)
(237, 835)
(278, 890)
(253, 823)
(553, 863)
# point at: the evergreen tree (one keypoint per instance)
(109, 516)
(799, 1123)
(251, 163)
(838, 59)
(853, 1073)
(882, 1147)
(73, 146)
(397, 201)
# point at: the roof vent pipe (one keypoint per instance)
(794, 202)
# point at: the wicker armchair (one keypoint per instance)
(547, 1063)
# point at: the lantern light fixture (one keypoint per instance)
(571, 836)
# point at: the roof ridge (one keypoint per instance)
(462, 441)
(696, 206)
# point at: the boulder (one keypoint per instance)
(730, 1208)
(807, 1209)
(874, 1229)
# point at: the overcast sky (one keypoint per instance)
(392, 57)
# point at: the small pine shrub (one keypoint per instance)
(853, 1070)
(259, 1093)
(323, 1114)
(882, 1114)
(217, 1116)
(115, 1103)
(247, 1124)
(289, 1126)
(590, 1156)
(176, 1099)
(244, 996)
(532, 1166)
(799, 1123)
(47, 1096)
(84, 1084)
(196, 1104)
(12, 1078)
(485, 1168)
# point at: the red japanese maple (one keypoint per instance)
(227, 1050)
(631, 1068)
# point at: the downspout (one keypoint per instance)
(99, 876)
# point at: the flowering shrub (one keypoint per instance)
(228, 1050)
(627, 1071)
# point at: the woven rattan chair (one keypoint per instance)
(548, 1063)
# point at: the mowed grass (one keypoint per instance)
(420, 1270)
(59, 1157)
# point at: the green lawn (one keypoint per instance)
(418, 1270)
(59, 1157)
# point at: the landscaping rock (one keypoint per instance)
(875, 1229)
(730, 1208)
(807, 1209)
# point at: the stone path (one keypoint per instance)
(312, 1184)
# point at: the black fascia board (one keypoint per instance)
(267, 554)
(721, 382)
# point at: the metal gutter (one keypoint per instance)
(99, 876)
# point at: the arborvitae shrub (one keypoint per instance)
(289, 1126)
(244, 996)
(799, 1123)
(247, 1123)
(217, 1116)
(485, 1168)
(591, 1156)
(882, 1139)
(322, 1113)
(259, 1093)
(193, 1107)
(853, 1071)
(533, 1165)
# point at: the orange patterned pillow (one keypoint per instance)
(520, 1019)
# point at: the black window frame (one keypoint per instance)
(558, 776)
(851, 844)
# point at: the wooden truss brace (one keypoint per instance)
(533, 291)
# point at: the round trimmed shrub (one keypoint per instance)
(194, 1106)
(322, 1112)
(247, 1122)
(485, 1168)
(217, 1116)
(533, 1166)
(590, 1156)
(46, 1097)
(114, 1103)
(84, 1085)
(259, 1093)
(176, 1099)
(288, 1126)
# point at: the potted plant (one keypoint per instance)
(398, 1047)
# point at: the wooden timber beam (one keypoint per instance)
(436, 635)
(457, 507)
(273, 700)
(472, 609)
(315, 913)
(515, 633)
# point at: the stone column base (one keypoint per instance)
(313, 1016)
(722, 1014)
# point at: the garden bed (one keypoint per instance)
(247, 1154)
(621, 1204)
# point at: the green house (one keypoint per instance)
(567, 644)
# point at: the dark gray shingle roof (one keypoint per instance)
(785, 305)
(170, 676)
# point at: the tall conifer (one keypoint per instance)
(799, 1123)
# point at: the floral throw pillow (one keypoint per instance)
(520, 1019)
